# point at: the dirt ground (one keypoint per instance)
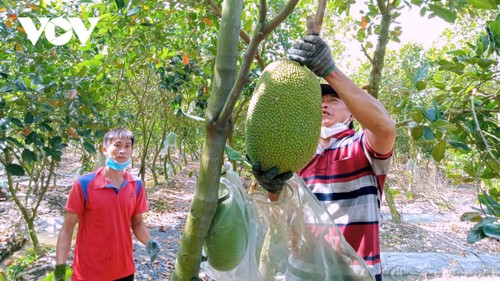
(430, 209)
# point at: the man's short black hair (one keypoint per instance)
(118, 133)
(326, 89)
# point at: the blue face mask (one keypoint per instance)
(117, 166)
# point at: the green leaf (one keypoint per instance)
(421, 85)
(361, 35)
(28, 156)
(482, 4)
(20, 85)
(16, 122)
(485, 63)
(443, 13)
(459, 145)
(458, 53)
(236, 156)
(442, 124)
(491, 204)
(470, 170)
(417, 115)
(430, 114)
(428, 133)
(438, 151)
(28, 117)
(15, 142)
(417, 132)
(15, 169)
(54, 153)
(120, 4)
(55, 141)
(44, 125)
(492, 230)
(471, 216)
(488, 173)
(493, 165)
(475, 234)
(31, 138)
(90, 148)
(421, 73)
(477, 231)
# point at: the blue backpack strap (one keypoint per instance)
(138, 183)
(84, 184)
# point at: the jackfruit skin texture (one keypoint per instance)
(226, 243)
(284, 117)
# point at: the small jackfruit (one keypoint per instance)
(284, 117)
(227, 239)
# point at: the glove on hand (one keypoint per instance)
(270, 180)
(60, 272)
(153, 248)
(314, 53)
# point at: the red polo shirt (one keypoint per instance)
(103, 249)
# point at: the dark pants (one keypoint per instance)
(127, 278)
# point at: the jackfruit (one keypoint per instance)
(227, 239)
(284, 117)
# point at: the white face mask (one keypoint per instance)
(327, 132)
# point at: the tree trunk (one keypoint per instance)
(206, 195)
(32, 234)
(389, 197)
(376, 78)
(379, 55)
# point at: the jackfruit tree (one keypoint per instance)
(228, 85)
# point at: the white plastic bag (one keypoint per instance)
(292, 239)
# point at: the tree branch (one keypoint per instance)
(381, 6)
(478, 128)
(366, 54)
(243, 34)
(447, 114)
(279, 18)
(314, 27)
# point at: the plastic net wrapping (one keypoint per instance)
(292, 239)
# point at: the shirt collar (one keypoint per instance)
(343, 134)
(101, 182)
(339, 136)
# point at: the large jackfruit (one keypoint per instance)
(227, 239)
(284, 117)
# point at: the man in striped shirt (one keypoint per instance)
(348, 171)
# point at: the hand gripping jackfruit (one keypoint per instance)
(284, 117)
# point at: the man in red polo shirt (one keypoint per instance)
(106, 204)
(348, 171)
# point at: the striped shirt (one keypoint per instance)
(348, 178)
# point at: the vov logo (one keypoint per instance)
(49, 26)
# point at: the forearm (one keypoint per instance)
(63, 246)
(366, 109)
(141, 232)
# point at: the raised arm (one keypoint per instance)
(317, 56)
(380, 129)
